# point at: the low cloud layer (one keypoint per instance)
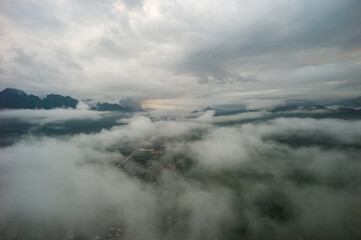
(246, 181)
(42, 116)
(210, 118)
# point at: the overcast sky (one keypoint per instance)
(183, 52)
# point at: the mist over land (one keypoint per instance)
(210, 177)
(187, 120)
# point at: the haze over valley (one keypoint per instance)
(167, 120)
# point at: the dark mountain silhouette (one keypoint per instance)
(127, 105)
(354, 102)
(14, 98)
(17, 99)
(294, 108)
(57, 101)
(108, 107)
(131, 105)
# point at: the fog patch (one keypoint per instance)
(42, 116)
(218, 182)
(209, 117)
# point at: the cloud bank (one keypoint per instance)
(227, 182)
(42, 116)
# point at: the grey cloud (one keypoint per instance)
(165, 49)
(215, 77)
(33, 15)
(133, 3)
(307, 25)
(117, 43)
(68, 61)
(33, 72)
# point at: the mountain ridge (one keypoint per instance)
(353, 102)
(12, 98)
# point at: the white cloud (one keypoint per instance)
(71, 182)
(209, 117)
(42, 116)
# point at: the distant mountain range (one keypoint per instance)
(18, 99)
(11, 98)
(354, 102)
(346, 109)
